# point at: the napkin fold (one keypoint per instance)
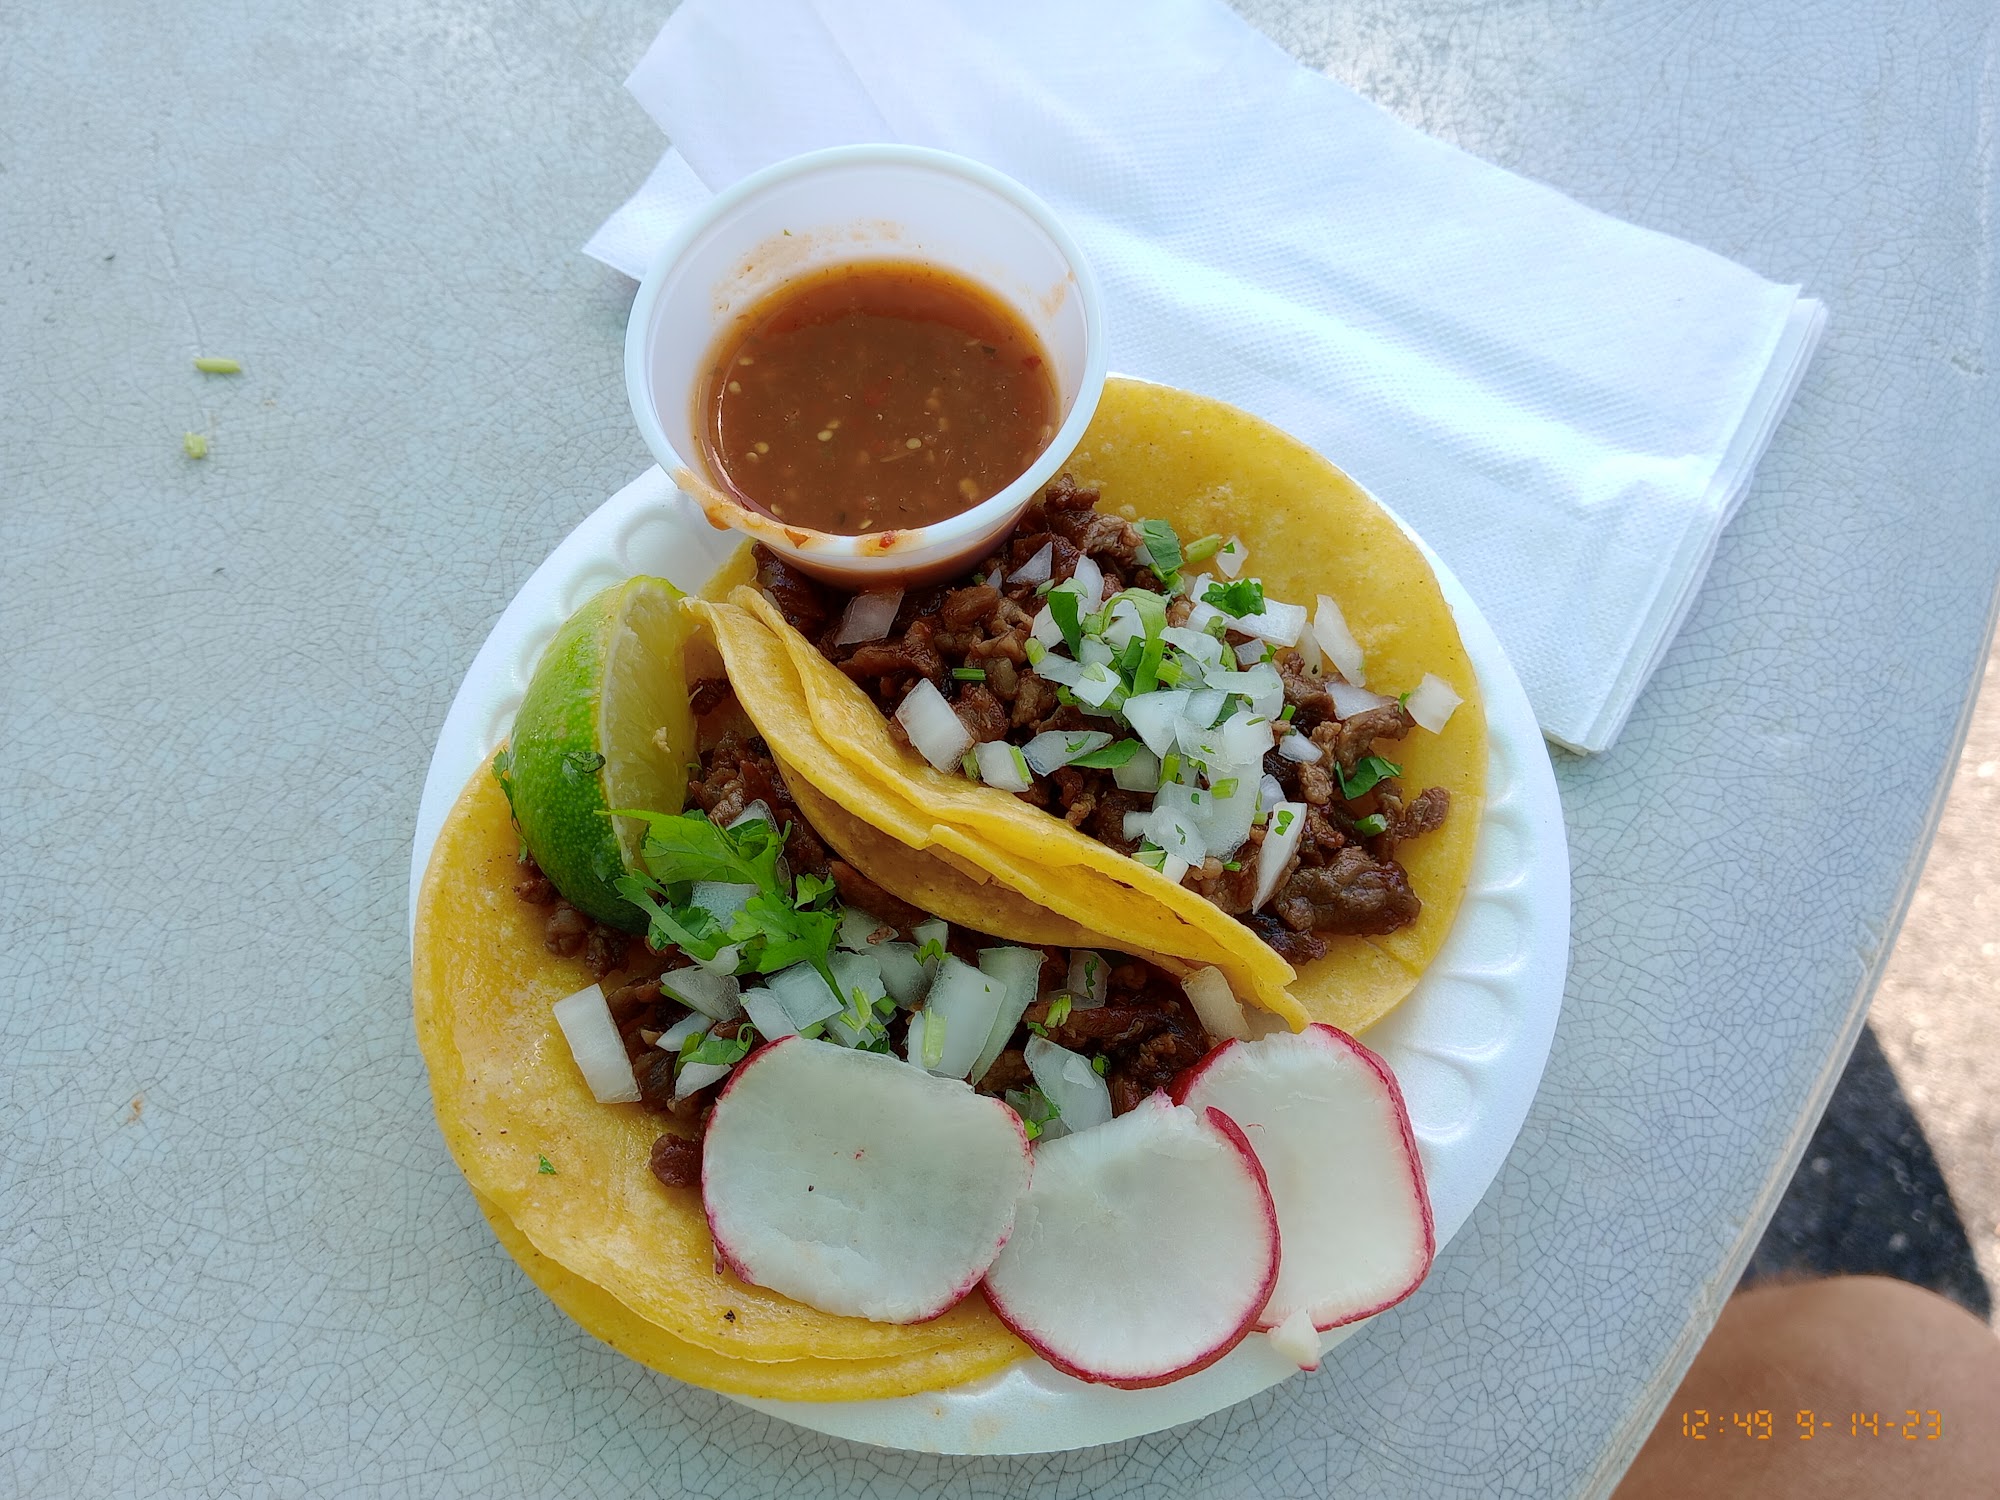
(1566, 407)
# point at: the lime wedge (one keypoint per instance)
(605, 724)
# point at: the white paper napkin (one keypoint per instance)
(1566, 407)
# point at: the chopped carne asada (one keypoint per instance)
(1138, 1033)
(1160, 715)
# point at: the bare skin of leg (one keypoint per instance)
(1856, 1344)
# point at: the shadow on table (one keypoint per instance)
(1869, 1198)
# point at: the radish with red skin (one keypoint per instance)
(858, 1184)
(1327, 1120)
(1144, 1249)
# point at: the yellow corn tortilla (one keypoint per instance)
(605, 1318)
(509, 1097)
(1204, 466)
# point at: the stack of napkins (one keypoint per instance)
(1566, 407)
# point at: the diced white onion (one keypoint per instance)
(1089, 977)
(1093, 652)
(1342, 649)
(1097, 684)
(721, 899)
(1278, 622)
(1245, 737)
(1281, 838)
(671, 1039)
(1070, 1083)
(1089, 579)
(1201, 614)
(1270, 792)
(1199, 644)
(858, 929)
(1349, 700)
(1433, 703)
(902, 975)
(694, 1077)
(1045, 629)
(1225, 820)
(933, 728)
(1059, 669)
(1139, 774)
(1020, 971)
(1296, 746)
(1001, 765)
(1250, 652)
(1267, 692)
(1154, 716)
(862, 973)
(1058, 747)
(1231, 557)
(1124, 627)
(868, 617)
(1135, 824)
(768, 1014)
(1037, 569)
(714, 995)
(1205, 705)
(1209, 993)
(1174, 868)
(1309, 654)
(1177, 833)
(933, 930)
(964, 1001)
(804, 994)
(585, 1019)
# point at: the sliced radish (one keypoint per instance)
(859, 1184)
(1144, 1248)
(1433, 703)
(868, 617)
(585, 1019)
(1328, 1123)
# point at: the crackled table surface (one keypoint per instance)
(234, 1257)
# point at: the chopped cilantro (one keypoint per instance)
(1202, 549)
(1067, 607)
(969, 674)
(1368, 771)
(547, 1167)
(1371, 825)
(1284, 820)
(1243, 596)
(716, 1051)
(1042, 588)
(1225, 788)
(931, 951)
(1097, 1065)
(1403, 699)
(1151, 856)
(969, 763)
(1110, 757)
(1059, 1010)
(1170, 767)
(1232, 864)
(1038, 1028)
(1163, 548)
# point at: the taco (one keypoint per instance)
(602, 1203)
(1208, 692)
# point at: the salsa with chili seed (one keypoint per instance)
(874, 396)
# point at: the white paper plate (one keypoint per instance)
(1468, 1046)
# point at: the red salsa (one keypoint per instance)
(874, 396)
